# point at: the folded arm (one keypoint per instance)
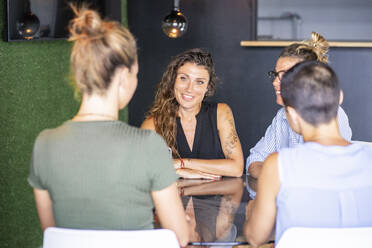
(228, 186)
(233, 163)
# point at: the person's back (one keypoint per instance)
(324, 186)
(324, 182)
(101, 173)
(94, 171)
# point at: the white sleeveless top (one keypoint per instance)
(324, 186)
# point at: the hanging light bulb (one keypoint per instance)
(175, 24)
(28, 25)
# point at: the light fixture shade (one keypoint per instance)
(28, 26)
(175, 24)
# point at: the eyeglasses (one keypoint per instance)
(274, 74)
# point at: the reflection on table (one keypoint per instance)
(216, 209)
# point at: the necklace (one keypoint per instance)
(111, 117)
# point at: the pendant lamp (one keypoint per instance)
(175, 24)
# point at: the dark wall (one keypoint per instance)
(219, 26)
(353, 67)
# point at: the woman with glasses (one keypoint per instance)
(279, 134)
(325, 182)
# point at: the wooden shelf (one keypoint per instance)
(260, 43)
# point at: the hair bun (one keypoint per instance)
(86, 25)
(320, 46)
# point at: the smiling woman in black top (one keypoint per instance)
(202, 135)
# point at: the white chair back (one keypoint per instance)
(362, 142)
(76, 238)
(305, 237)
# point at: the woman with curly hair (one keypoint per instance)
(201, 135)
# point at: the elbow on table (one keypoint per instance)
(254, 169)
(238, 172)
(233, 168)
(254, 242)
(253, 239)
(234, 172)
(183, 239)
(239, 169)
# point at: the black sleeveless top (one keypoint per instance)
(207, 144)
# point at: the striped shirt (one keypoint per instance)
(279, 135)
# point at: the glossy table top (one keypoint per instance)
(216, 209)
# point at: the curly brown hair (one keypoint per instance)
(164, 110)
(314, 49)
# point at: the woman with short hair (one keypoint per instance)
(322, 183)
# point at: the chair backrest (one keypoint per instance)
(76, 238)
(305, 237)
(362, 142)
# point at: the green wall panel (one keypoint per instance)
(34, 94)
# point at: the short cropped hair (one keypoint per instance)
(312, 89)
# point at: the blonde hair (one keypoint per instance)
(100, 47)
(314, 49)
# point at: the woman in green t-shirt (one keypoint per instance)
(94, 171)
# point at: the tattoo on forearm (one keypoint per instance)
(232, 136)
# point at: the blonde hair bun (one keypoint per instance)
(320, 46)
(308, 50)
(86, 25)
(100, 47)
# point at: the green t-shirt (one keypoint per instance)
(100, 174)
